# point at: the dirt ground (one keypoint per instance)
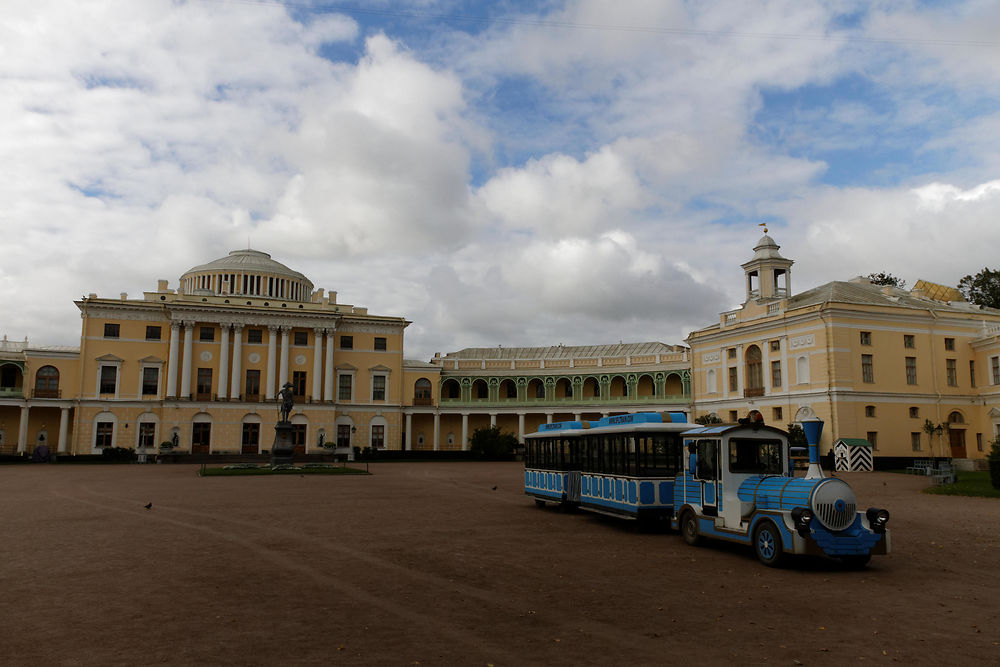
(427, 563)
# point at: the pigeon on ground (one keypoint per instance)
(494, 488)
(149, 505)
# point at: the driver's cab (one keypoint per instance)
(721, 458)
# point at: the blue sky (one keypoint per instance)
(515, 173)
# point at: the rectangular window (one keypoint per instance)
(347, 342)
(255, 335)
(300, 338)
(979, 442)
(734, 381)
(731, 353)
(972, 373)
(908, 341)
(204, 384)
(111, 330)
(949, 344)
(150, 381)
(758, 457)
(147, 435)
(869, 411)
(951, 370)
(153, 333)
(378, 388)
(298, 435)
(105, 435)
(299, 383)
(911, 370)
(206, 334)
(775, 373)
(775, 346)
(109, 379)
(379, 343)
(866, 337)
(915, 441)
(776, 414)
(995, 366)
(378, 436)
(914, 413)
(343, 435)
(253, 384)
(867, 369)
(873, 438)
(344, 387)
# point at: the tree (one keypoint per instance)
(491, 443)
(982, 289)
(883, 278)
(710, 418)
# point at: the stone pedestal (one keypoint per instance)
(282, 451)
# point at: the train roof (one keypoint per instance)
(726, 429)
(638, 421)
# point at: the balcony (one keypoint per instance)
(11, 392)
(593, 401)
(753, 393)
(46, 393)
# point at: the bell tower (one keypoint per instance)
(768, 274)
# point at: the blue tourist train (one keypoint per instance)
(732, 482)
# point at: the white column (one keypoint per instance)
(765, 363)
(520, 427)
(186, 362)
(465, 431)
(328, 370)
(409, 432)
(437, 431)
(272, 333)
(63, 429)
(237, 377)
(172, 360)
(22, 431)
(493, 419)
(576, 416)
(317, 364)
(283, 373)
(223, 364)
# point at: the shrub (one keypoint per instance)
(492, 443)
(118, 454)
(994, 459)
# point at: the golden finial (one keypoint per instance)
(764, 225)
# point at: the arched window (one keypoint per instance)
(422, 392)
(47, 382)
(645, 386)
(451, 389)
(674, 385)
(508, 390)
(709, 382)
(480, 389)
(956, 418)
(755, 372)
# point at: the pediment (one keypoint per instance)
(111, 358)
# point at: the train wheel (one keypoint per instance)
(857, 562)
(689, 529)
(767, 544)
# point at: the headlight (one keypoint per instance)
(802, 516)
(877, 518)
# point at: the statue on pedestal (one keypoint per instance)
(283, 450)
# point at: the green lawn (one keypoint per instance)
(307, 469)
(970, 483)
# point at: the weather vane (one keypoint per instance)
(764, 225)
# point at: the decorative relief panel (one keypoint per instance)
(206, 356)
(254, 358)
(711, 357)
(300, 359)
(802, 341)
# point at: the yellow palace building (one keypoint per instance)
(915, 373)
(200, 365)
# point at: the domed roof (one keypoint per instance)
(766, 248)
(247, 260)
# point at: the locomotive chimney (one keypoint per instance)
(813, 428)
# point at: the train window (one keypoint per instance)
(706, 451)
(755, 456)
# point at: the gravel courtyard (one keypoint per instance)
(450, 564)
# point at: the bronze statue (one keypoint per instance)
(287, 400)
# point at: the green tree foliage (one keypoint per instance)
(796, 436)
(705, 420)
(883, 278)
(982, 289)
(492, 443)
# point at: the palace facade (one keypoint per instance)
(915, 373)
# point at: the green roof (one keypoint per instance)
(854, 442)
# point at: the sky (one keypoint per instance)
(510, 173)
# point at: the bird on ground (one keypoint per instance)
(494, 488)
(149, 505)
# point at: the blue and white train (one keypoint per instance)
(729, 482)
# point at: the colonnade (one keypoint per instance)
(229, 375)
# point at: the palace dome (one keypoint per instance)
(247, 272)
